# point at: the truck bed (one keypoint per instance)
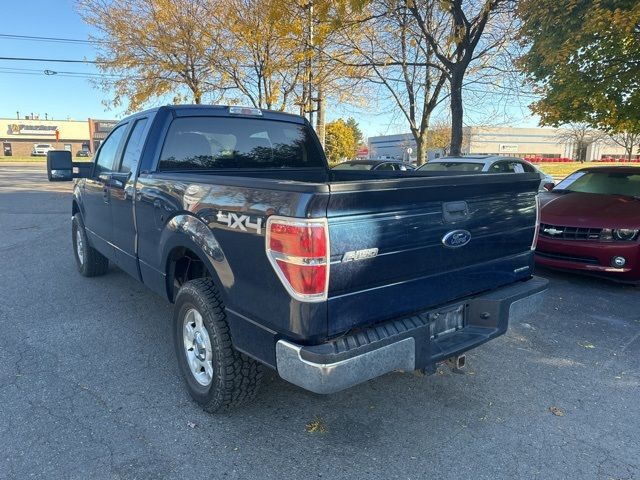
(399, 214)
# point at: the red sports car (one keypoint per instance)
(590, 222)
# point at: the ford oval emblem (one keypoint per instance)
(456, 238)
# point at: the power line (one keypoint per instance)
(50, 72)
(58, 60)
(47, 39)
(57, 73)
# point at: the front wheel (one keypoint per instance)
(89, 261)
(216, 374)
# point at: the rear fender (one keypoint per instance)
(188, 231)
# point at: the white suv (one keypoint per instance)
(41, 149)
(487, 164)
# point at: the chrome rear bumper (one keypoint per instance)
(404, 344)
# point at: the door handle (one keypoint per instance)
(105, 178)
(119, 179)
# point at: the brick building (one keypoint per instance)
(18, 136)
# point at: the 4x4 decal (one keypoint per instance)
(239, 221)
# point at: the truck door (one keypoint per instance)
(122, 193)
(95, 196)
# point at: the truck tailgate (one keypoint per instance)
(406, 219)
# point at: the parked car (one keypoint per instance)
(487, 164)
(271, 258)
(590, 223)
(83, 153)
(41, 149)
(377, 165)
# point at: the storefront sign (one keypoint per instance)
(21, 129)
(508, 147)
(105, 127)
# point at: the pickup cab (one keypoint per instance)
(330, 277)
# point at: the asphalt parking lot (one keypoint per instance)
(89, 386)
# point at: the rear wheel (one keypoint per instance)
(89, 261)
(216, 374)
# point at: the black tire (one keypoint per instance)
(235, 378)
(92, 263)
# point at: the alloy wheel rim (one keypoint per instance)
(197, 347)
(79, 247)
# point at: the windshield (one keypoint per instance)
(606, 183)
(451, 166)
(353, 166)
(43, 145)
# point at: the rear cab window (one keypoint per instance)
(217, 143)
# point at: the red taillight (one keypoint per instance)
(298, 240)
(299, 252)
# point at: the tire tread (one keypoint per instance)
(95, 264)
(242, 375)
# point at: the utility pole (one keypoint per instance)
(320, 123)
(309, 48)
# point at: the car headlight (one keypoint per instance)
(625, 234)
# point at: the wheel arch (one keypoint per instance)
(190, 251)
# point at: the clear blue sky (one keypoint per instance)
(30, 90)
(25, 88)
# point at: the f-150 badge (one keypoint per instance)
(359, 254)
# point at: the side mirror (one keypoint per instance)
(549, 186)
(59, 166)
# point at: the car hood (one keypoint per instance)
(590, 210)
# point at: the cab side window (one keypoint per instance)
(133, 150)
(108, 150)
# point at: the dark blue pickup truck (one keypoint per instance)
(330, 277)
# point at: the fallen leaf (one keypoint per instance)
(586, 345)
(317, 425)
(191, 425)
(556, 411)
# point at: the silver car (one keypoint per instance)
(487, 164)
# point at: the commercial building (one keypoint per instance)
(401, 146)
(519, 142)
(18, 136)
(98, 131)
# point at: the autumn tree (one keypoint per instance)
(580, 136)
(152, 48)
(392, 54)
(584, 60)
(475, 30)
(325, 79)
(415, 49)
(628, 140)
(259, 51)
(440, 136)
(340, 143)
